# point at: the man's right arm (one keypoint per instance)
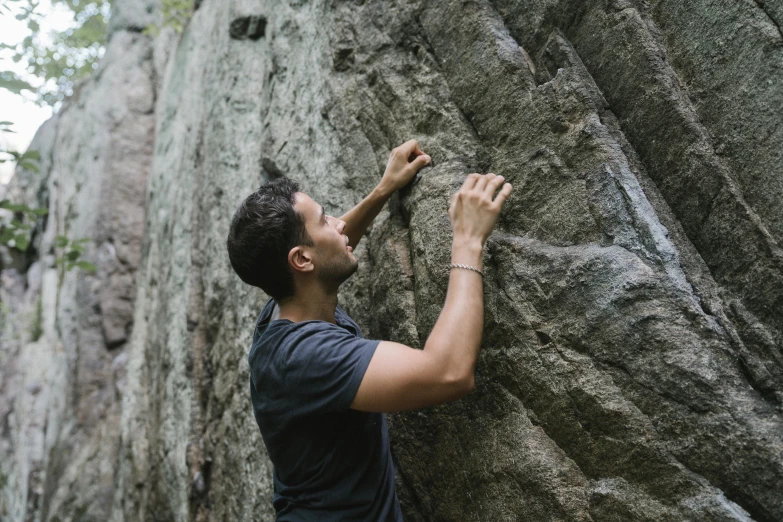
(403, 378)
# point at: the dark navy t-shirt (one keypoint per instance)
(331, 463)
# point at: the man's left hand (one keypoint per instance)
(404, 162)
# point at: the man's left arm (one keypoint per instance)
(404, 162)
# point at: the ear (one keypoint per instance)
(300, 259)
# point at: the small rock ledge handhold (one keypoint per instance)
(247, 27)
(543, 338)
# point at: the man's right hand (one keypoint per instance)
(473, 213)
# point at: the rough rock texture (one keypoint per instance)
(632, 364)
(65, 335)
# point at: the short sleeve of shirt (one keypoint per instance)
(324, 366)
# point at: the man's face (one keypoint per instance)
(333, 258)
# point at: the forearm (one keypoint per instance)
(359, 217)
(456, 337)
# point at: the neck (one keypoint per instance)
(313, 304)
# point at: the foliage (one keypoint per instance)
(16, 234)
(26, 160)
(12, 82)
(72, 250)
(58, 61)
(175, 13)
(61, 58)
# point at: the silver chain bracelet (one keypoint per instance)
(468, 267)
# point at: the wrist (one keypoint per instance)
(469, 244)
(383, 191)
(468, 251)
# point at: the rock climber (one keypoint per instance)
(319, 389)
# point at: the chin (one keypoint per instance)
(354, 267)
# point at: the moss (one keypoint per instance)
(3, 315)
(37, 329)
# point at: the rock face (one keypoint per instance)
(632, 364)
(65, 337)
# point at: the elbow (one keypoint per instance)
(464, 385)
(469, 383)
(457, 382)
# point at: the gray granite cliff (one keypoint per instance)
(632, 363)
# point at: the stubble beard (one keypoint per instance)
(335, 272)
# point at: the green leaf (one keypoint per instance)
(40, 211)
(7, 235)
(73, 255)
(29, 165)
(21, 242)
(12, 82)
(31, 155)
(87, 267)
(60, 241)
(14, 208)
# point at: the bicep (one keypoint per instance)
(402, 378)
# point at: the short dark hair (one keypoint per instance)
(263, 230)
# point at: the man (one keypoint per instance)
(318, 387)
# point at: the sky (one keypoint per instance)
(26, 115)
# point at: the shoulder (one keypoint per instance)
(320, 335)
(282, 337)
(319, 343)
(283, 344)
